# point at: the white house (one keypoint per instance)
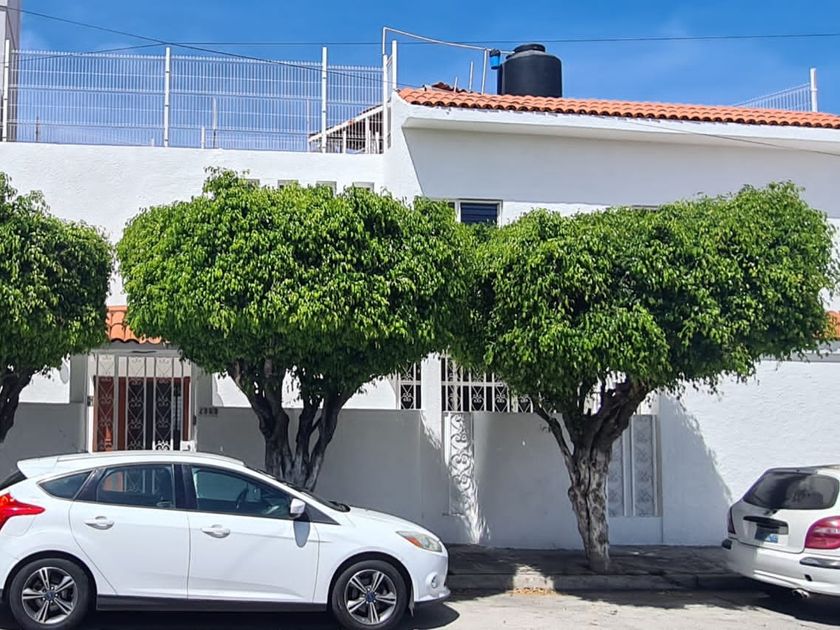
(447, 449)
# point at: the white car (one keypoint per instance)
(786, 530)
(152, 530)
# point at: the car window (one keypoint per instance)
(66, 487)
(149, 486)
(790, 490)
(230, 493)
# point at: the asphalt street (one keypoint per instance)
(624, 610)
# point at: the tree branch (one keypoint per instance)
(556, 427)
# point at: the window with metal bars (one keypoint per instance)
(409, 387)
(467, 391)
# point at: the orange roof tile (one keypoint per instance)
(118, 330)
(834, 316)
(437, 97)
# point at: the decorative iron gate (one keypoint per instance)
(139, 401)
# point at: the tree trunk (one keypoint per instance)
(302, 465)
(587, 492)
(11, 385)
(586, 440)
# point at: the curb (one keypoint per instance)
(572, 583)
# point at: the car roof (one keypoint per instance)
(56, 464)
(831, 469)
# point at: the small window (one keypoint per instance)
(472, 212)
(14, 478)
(226, 492)
(252, 182)
(363, 185)
(790, 490)
(66, 487)
(138, 486)
(282, 183)
(330, 185)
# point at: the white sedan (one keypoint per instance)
(183, 531)
(786, 531)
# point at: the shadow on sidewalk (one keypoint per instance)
(425, 619)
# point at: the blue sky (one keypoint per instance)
(698, 71)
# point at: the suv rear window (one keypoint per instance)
(15, 477)
(782, 490)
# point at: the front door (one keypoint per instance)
(140, 402)
(243, 545)
(131, 529)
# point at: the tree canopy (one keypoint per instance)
(54, 278)
(261, 283)
(588, 314)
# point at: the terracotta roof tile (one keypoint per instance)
(118, 330)
(437, 97)
(834, 316)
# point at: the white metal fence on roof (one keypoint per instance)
(188, 101)
(800, 98)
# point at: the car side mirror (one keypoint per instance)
(297, 508)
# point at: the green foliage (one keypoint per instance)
(690, 292)
(53, 283)
(338, 289)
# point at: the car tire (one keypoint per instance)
(380, 585)
(65, 599)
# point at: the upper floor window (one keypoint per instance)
(472, 212)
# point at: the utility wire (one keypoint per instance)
(542, 40)
(567, 40)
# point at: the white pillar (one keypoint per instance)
(4, 130)
(385, 96)
(324, 99)
(167, 76)
(813, 82)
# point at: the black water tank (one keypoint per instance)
(530, 71)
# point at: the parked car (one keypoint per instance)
(182, 531)
(785, 532)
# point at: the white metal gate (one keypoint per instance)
(139, 400)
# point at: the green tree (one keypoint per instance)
(590, 314)
(53, 283)
(295, 285)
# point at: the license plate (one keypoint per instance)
(766, 535)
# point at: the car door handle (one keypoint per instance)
(216, 531)
(100, 522)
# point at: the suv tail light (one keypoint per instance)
(9, 507)
(730, 524)
(824, 534)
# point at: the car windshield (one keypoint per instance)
(340, 507)
(791, 490)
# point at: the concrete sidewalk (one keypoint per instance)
(653, 568)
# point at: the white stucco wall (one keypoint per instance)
(106, 186)
(714, 446)
(42, 429)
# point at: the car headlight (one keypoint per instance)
(424, 541)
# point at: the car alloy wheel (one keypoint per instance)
(49, 595)
(370, 597)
